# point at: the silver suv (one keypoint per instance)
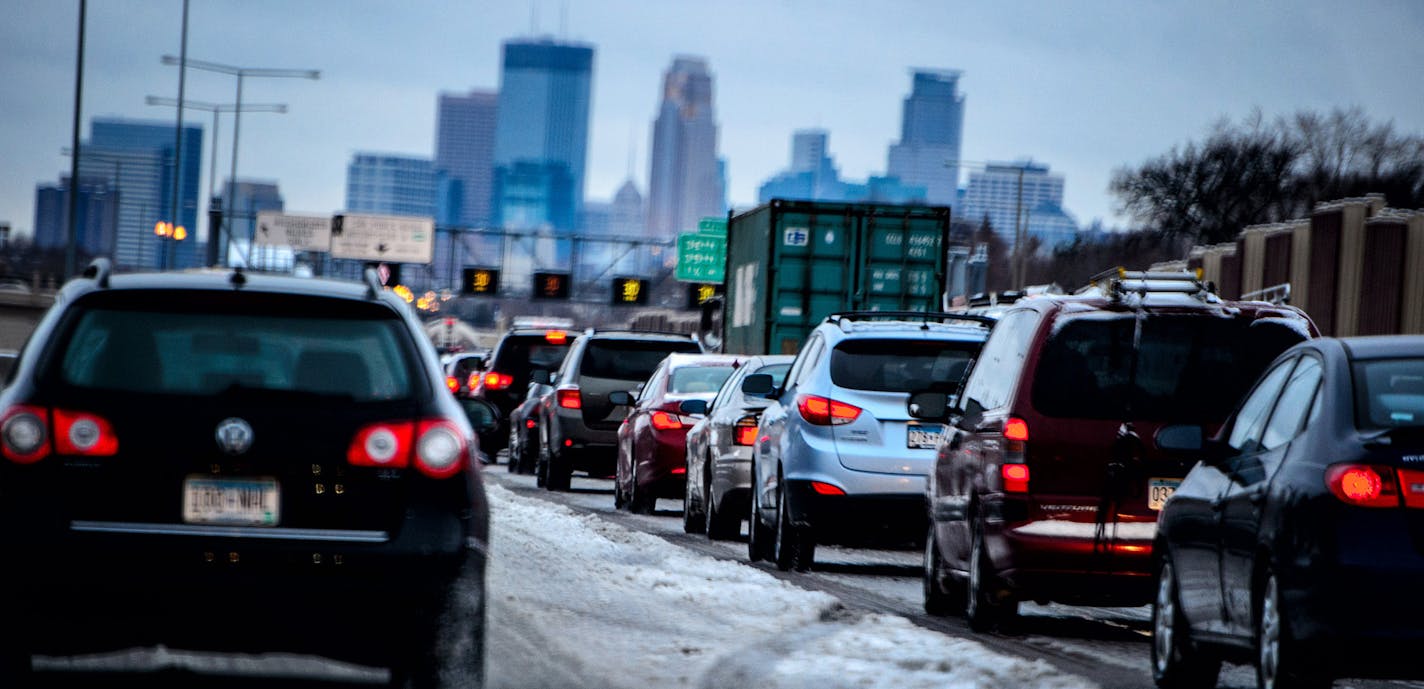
(838, 458)
(578, 425)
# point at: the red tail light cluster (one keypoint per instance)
(664, 421)
(452, 383)
(1015, 477)
(820, 411)
(497, 381)
(745, 431)
(434, 446)
(1363, 485)
(472, 382)
(823, 488)
(1014, 470)
(569, 398)
(1411, 483)
(25, 434)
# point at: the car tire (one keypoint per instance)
(541, 461)
(640, 501)
(720, 525)
(1281, 663)
(560, 474)
(694, 521)
(794, 547)
(1177, 661)
(983, 608)
(759, 536)
(944, 595)
(528, 454)
(516, 449)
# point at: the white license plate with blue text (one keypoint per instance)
(231, 501)
(923, 436)
(1159, 489)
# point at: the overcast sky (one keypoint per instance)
(1084, 87)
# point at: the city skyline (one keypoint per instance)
(1087, 89)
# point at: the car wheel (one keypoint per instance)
(943, 593)
(721, 525)
(516, 448)
(1177, 661)
(528, 452)
(1280, 662)
(640, 501)
(560, 474)
(983, 608)
(794, 546)
(693, 520)
(759, 537)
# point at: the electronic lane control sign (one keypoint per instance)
(480, 281)
(630, 291)
(551, 286)
(699, 294)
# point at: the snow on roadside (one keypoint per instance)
(577, 601)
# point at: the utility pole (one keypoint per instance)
(1019, 267)
(71, 247)
(178, 137)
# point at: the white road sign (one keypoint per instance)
(301, 232)
(389, 238)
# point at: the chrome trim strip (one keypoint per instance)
(266, 533)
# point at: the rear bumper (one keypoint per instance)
(663, 472)
(875, 519)
(1364, 607)
(1067, 562)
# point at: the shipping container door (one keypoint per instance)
(900, 262)
(813, 273)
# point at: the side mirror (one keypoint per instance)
(540, 376)
(620, 398)
(758, 385)
(483, 416)
(928, 405)
(1180, 438)
(692, 407)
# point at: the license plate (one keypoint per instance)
(923, 436)
(1159, 489)
(230, 501)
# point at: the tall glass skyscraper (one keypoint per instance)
(464, 152)
(931, 129)
(684, 182)
(135, 158)
(388, 184)
(542, 122)
(98, 209)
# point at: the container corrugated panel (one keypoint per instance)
(1324, 267)
(1412, 313)
(1300, 265)
(1351, 271)
(1276, 263)
(1383, 264)
(792, 263)
(1229, 286)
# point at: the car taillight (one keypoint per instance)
(1016, 429)
(498, 381)
(678, 471)
(24, 434)
(440, 449)
(745, 431)
(820, 411)
(1363, 485)
(1411, 483)
(530, 423)
(384, 444)
(1015, 477)
(826, 488)
(569, 398)
(557, 337)
(81, 433)
(664, 421)
(452, 383)
(473, 382)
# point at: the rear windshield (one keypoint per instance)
(1389, 393)
(901, 365)
(629, 359)
(209, 348)
(1188, 368)
(695, 379)
(520, 355)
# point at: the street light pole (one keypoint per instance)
(241, 73)
(178, 134)
(70, 249)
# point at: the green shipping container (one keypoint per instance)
(792, 263)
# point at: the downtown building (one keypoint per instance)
(931, 130)
(98, 217)
(993, 194)
(391, 184)
(813, 176)
(464, 155)
(241, 203)
(685, 178)
(135, 160)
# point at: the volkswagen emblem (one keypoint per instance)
(234, 436)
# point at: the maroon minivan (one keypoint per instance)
(1048, 479)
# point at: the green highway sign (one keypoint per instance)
(712, 225)
(701, 257)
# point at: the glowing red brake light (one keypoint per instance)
(826, 488)
(386, 444)
(746, 431)
(1015, 477)
(1411, 483)
(498, 381)
(820, 411)
(557, 337)
(1016, 429)
(81, 433)
(664, 421)
(452, 383)
(569, 398)
(24, 434)
(473, 381)
(1363, 485)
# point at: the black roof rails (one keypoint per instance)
(925, 316)
(98, 270)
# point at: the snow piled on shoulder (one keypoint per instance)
(577, 601)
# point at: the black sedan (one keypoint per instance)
(1297, 542)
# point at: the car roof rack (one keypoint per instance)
(843, 317)
(98, 270)
(1119, 282)
(630, 331)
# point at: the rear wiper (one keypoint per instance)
(1404, 436)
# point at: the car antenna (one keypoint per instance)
(237, 278)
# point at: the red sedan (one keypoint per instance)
(652, 442)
